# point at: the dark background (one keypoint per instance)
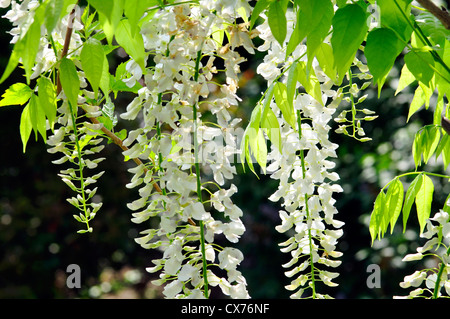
(38, 238)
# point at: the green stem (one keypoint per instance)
(416, 173)
(302, 157)
(438, 280)
(352, 100)
(199, 182)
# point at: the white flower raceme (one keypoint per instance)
(303, 170)
(438, 237)
(176, 85)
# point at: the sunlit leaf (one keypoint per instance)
(410, 196)
(16, 94)
(423, 201)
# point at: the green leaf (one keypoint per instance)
(443, 82)
(25, 126)
(37, 117)
(260, 6)
(259, 149)
(394, 201)
(110, 20)
(92, 56)
(411, 194)
(377, 215)
(420, 65)
(392, 18)
(291, 82)
(285, 107)
(267, 100)
(13, 60)
(445, 150)
(16, 94)
(381, 50)
(47, 99)
(135, 9)
(318, 16)
(105, 78)
(308, 79)
(298, 34)
(132, 44)
(432, 136)
(31, 42)
(272, 128)
(419, 99)
(350, 28)
(324, 55)
(277, 20)
(53, 12)
(423, 201)
(417, 148)
(250, 134)
(69, 80)
(104, 7)
(406, 78)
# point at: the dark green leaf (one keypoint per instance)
(350, 28)
(381, 50)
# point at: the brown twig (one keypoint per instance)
(442, 15)
(107, 132)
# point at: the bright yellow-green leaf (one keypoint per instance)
(410, 196)
(132, 44)
(37, 117)
(92, 56)
(406, 78)
(394, 201)
(25, 126)
(419, 99)
(324, 55)
(272, 128)
(16, 94)
(69, 80)
(432, 135)
(47, 99)
(308, 79)
(286, 108)
(377, 216)
(423, 201)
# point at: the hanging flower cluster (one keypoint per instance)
(302, 167)
(437, 234)
(75, 136)
(184, 41)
